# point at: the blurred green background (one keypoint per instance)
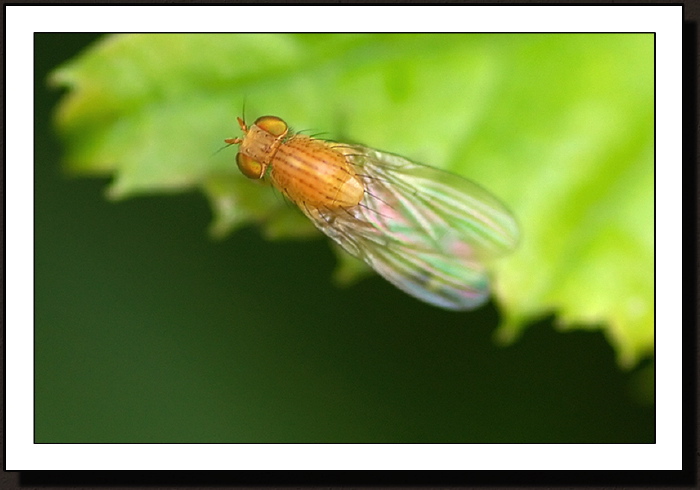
(147, 330)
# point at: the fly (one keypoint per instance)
(427, 231)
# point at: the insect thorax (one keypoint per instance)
(312, 173)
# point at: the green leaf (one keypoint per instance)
(560, 126)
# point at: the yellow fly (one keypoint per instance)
(427, 231)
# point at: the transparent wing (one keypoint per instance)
(427, 231)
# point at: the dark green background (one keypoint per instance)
(148, 331)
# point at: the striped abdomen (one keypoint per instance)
(310, 172)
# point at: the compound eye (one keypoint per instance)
(249, 167)
(271, 124)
